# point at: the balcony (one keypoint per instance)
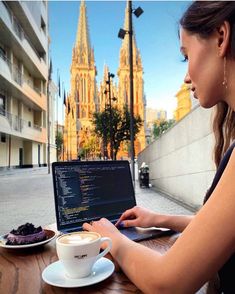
(13, 81)
(16, 126)
(20, 43)
(31, 91)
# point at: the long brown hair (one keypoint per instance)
(202, 18)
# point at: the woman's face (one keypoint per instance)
(205, 67)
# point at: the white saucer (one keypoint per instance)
(54, 274)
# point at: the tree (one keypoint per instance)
(91, 147)
(159, 127)
(59, 142)
(101, 124)
(120, 127)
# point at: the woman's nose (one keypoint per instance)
(187, 79)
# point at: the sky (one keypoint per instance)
(156, 32)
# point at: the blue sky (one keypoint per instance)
(156, 36)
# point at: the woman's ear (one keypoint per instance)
(223, 37)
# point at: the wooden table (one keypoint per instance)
(21, 271)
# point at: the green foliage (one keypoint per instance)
(59, 141)
(91, 147)
(82, 153)
(120, 127)
(160, 127)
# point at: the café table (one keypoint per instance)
(21, 271)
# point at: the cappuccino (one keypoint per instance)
(79, 251)
(79, 238)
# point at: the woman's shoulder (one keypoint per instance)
(222, 166)
(226, 156)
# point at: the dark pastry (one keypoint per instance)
(25, 234)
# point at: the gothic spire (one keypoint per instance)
(124, 52)
(105, 72)
(83, 47)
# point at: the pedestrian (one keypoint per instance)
(207, 243)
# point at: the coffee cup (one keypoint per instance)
(79, 251)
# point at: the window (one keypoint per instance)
(43, 25)
(2, 104)
(29, 124)
(2, 53)
(3, 138)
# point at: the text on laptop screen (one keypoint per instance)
(92, 190)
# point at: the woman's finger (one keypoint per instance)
(129, 223)
(128, 214)
(87, 227)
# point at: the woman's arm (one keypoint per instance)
(142, 217)
(200, 251)
(175, 222)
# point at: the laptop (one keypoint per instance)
(85, 191)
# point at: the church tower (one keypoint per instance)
(184, 104)
(82, 101)
(104, 94)
(138, 84)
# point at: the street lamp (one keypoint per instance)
(138, 11)
(108, 82)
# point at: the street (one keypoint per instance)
(26, 195)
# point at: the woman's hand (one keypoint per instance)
(103, 226)
(106, 229)
(137, 217)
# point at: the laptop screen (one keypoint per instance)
(88, 190)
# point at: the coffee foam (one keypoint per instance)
(78, 238)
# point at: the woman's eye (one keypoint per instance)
(185, 58)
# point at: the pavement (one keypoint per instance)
(26, 195)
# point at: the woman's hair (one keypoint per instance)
(203, 18)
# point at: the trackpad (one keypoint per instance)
(138, 234)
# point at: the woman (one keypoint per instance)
(207, 242)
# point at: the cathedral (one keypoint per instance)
(86, 97)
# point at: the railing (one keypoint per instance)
(14, 70)
(16, 122)
(19, 30)
(17, 75)
(36, 89)
(32, 86)
(36, 127)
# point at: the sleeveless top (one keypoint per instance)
(227, 272)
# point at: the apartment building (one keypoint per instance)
(23, 83)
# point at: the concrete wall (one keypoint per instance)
(30, 152)
(27, 152)
(3, 153)
(181, 161)
(35, 159)
(16, 144)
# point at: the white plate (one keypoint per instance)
(54, 274)
(49, 233)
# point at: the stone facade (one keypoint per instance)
(184, 104)
(86, 97)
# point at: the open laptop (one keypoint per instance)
(89, 190)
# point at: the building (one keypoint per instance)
(53, 91)
(82, 101)
(86, 97)
(184, 103)
(138, 83)
(153, 116)
(23, 83)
